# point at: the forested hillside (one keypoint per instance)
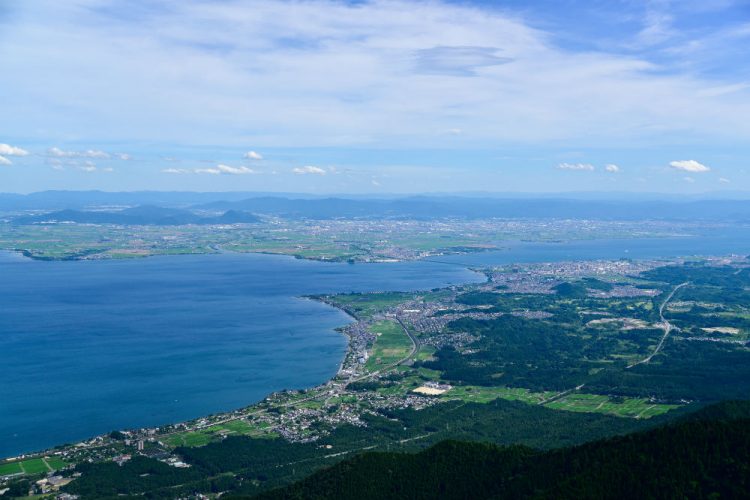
(704, 456)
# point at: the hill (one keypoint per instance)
(144, 215)
(706, 455)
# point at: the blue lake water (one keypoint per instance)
(92, 346)
(88, 347)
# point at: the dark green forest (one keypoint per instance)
(705, 456)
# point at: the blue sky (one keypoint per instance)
(375, 96)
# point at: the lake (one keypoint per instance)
(92, 346)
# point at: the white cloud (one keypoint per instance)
(309, 169)
(252, 155)
(384, 72)
(611, 167)
(87, 168)
(219, 169)
(576, 166)
(226, 169)
(689, 166)
(89, 153)
(175, 171)
(5, 161)
(724, 180)
(689, 180)
(8, 150)
(124, 156)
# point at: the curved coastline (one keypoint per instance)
(338, 330)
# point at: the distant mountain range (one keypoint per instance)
(424, 207)
(94, 206)
(138, 216)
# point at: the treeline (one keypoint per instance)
(695, 458)
(537, 355)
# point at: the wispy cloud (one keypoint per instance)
(381, 71)
(689, 166)
(89, 153)
(226, 169)
(611, 167)
(309, 169)
(5, 161)
(8, 150)
(724, 180)
(175, 171)
(576, 166)
(219, 169)
(460, 60)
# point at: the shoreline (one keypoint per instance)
(232, 414)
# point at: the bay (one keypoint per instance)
(87, 347)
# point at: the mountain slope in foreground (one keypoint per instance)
(706, 455)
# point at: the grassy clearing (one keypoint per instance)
(364, 305)
(620, 407)
(10, 468)
(425, 353)
(55, 462)
(34, 466)
(391, 345)
(585, 403)
(215, 432)
(481, 394)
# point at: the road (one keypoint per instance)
(666, 325)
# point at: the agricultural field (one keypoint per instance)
(212, 433)
(391, 345)
(365, 305)
(32, 466)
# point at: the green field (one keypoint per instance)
(364, 305)
(32, 466)
(391, 346)
(481, 394)
(10, 468)
(214, 432)
(620, 407)
(584, 403)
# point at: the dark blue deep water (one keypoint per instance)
(88, 347)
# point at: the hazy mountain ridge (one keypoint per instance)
(144, 215)
(482, 206)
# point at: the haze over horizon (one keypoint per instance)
(376, 97)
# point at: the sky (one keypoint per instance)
(380, 96)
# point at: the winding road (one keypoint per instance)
(666, 325)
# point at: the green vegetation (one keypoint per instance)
(391, 345)
(264, 463)
(692, 459)
(9, 468)
(555, 366)
(365, 305)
